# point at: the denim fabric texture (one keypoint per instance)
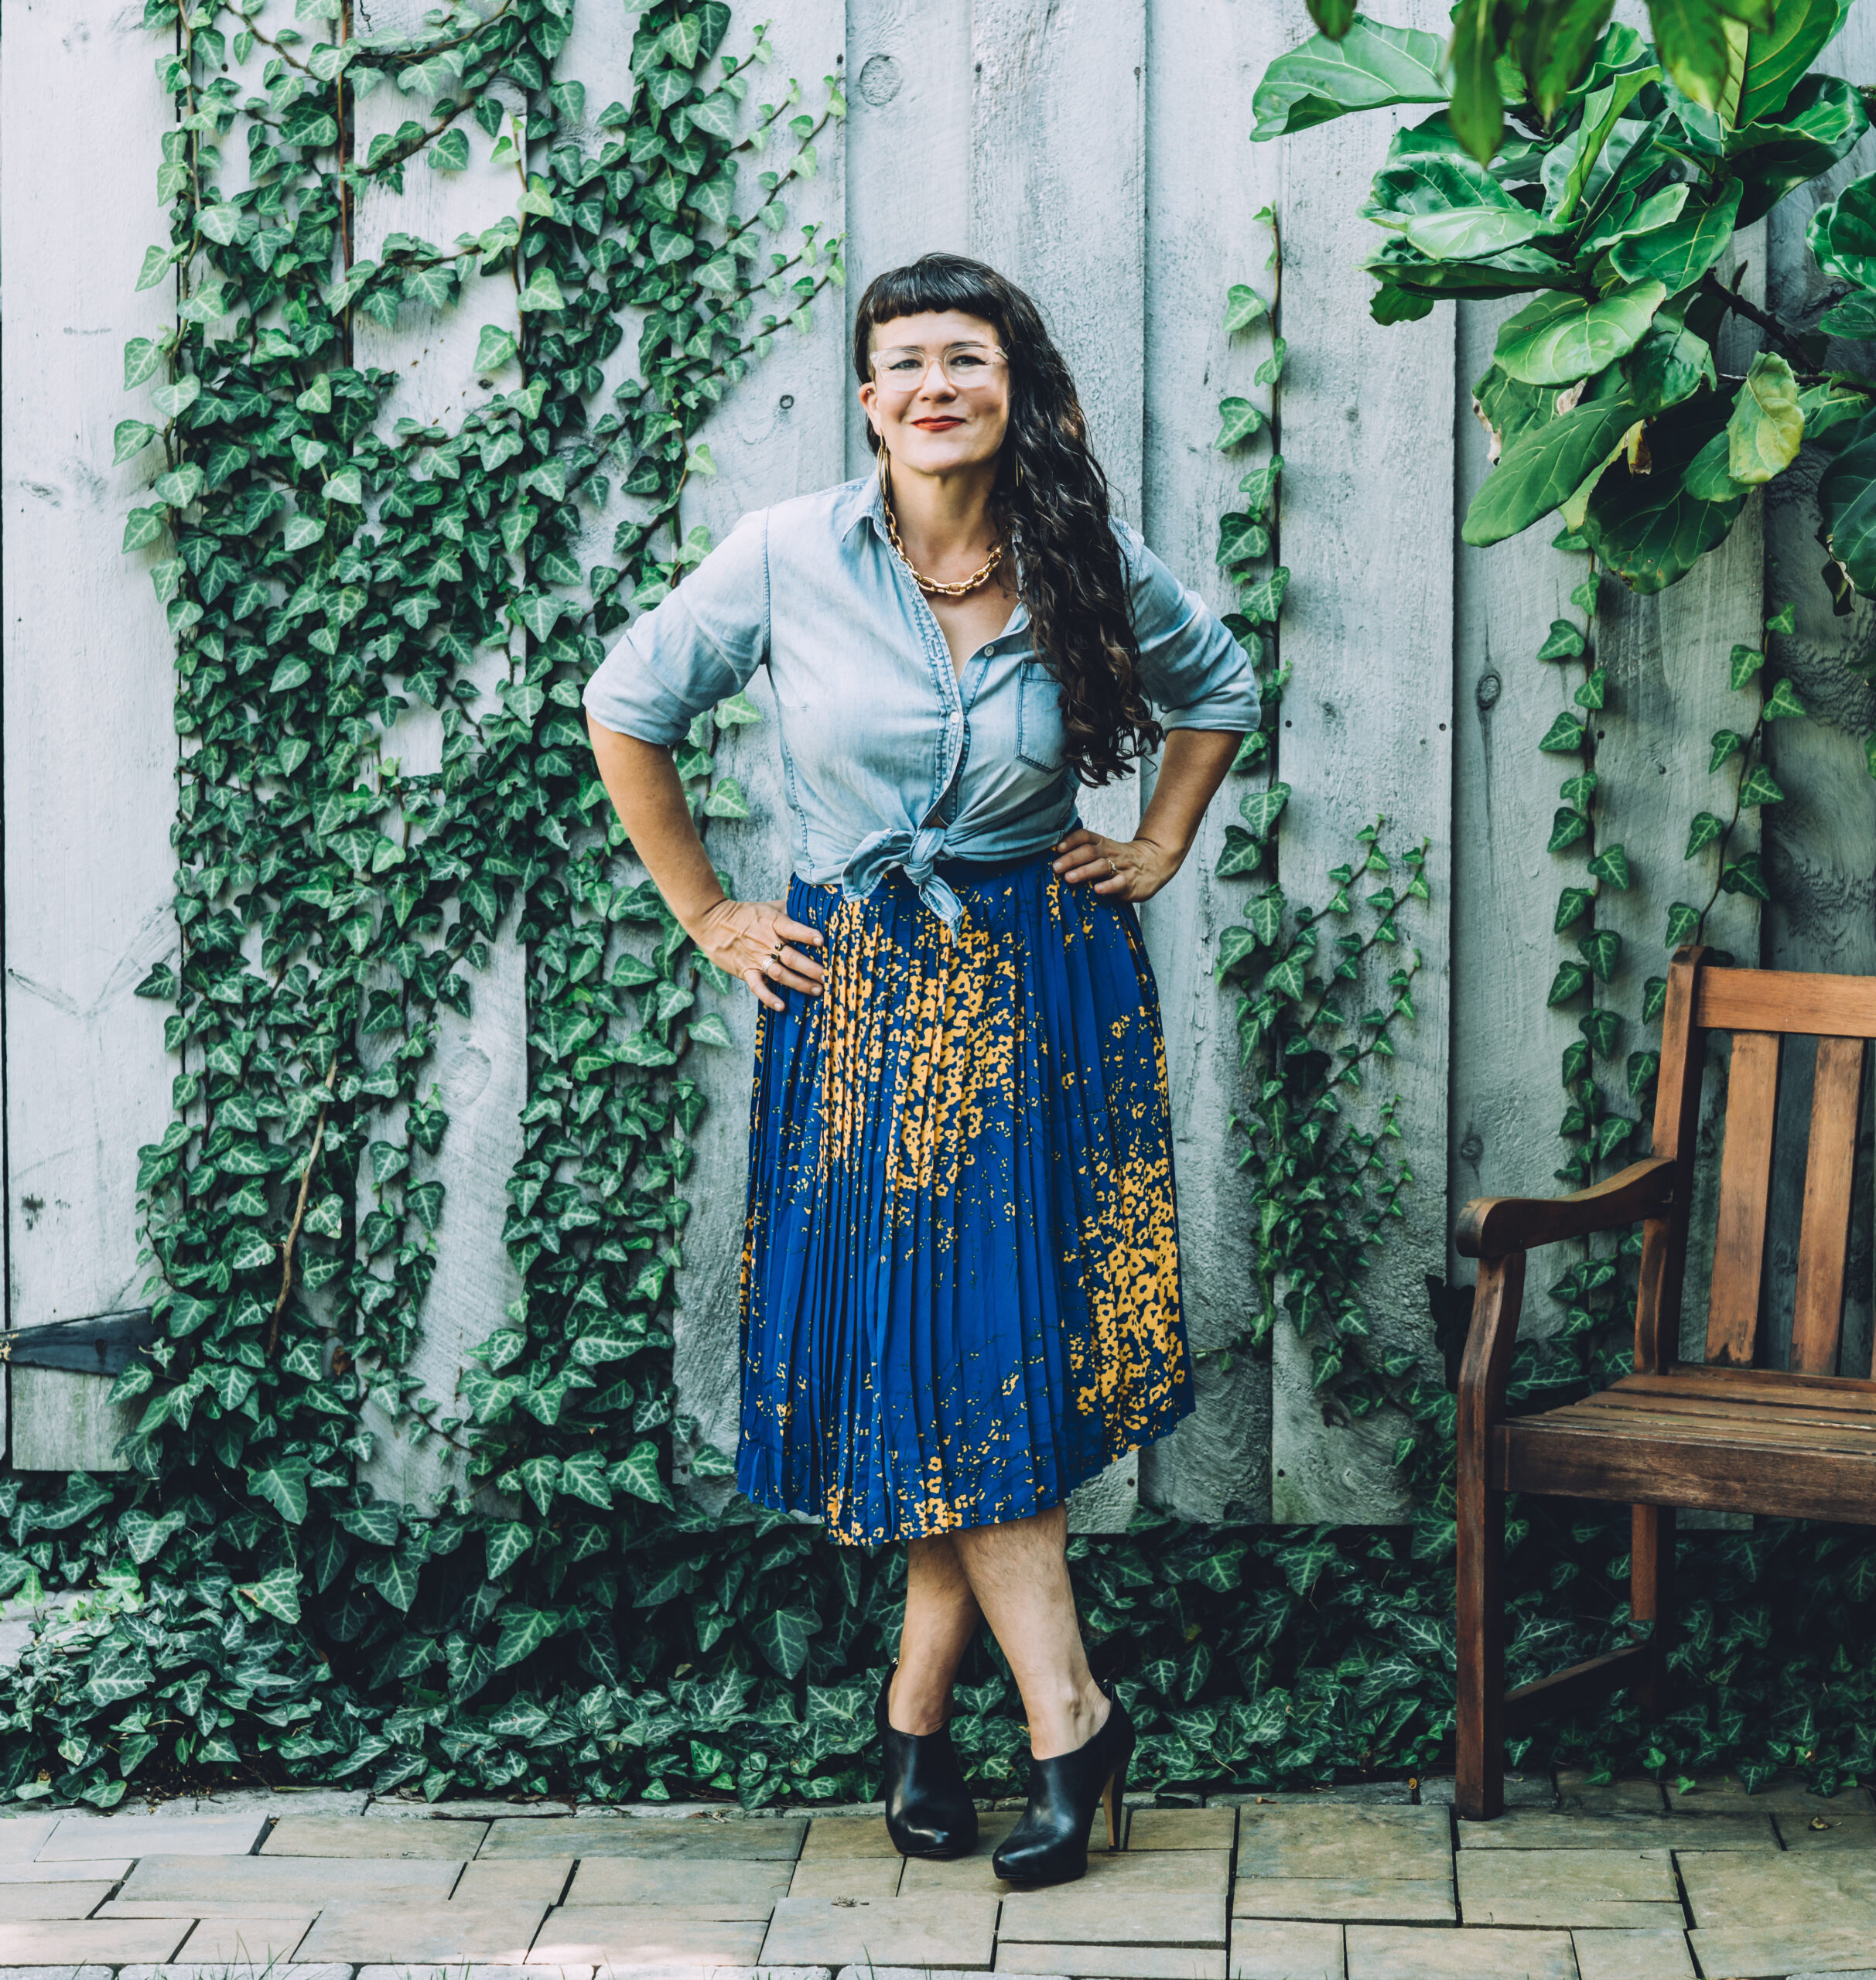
(893, 756)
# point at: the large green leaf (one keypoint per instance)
(1767, 428)
(1690, 38)
(1679, 253)
(1821, 121)
(1669, 364)
(1778, 55)
(1543, 467)
(1560, 338)
(1372, 67)
(1842, 234)
(1650, 530)
(1846, 499)
(1516, 271)
(1570, 171)
(1478, 113)
(1553, 46)
(1449, 207)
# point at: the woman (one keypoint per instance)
(960, 1282)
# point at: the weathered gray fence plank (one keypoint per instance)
(1819, 844)
(1507, 1046)
(908, 148)
(780, 433)
(1204, 58)
(90, 742)
(480, 1065)
(1367, 448)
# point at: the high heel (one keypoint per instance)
(1049, 1845)
(929, 1812)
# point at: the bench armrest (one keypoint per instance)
(1492, 1227)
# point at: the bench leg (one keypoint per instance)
(1651, 1595)
(1478, 1786)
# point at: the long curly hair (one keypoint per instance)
(1053, 516)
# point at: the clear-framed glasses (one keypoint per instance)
(901, 369)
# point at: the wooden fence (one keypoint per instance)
(1097, 150)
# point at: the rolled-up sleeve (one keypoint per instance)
(1194, 673)
(702, 642)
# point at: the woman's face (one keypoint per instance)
(939, 394)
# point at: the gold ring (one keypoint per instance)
(1111, 869)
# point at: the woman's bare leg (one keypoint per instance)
(1019, 1574)
(941, 1616)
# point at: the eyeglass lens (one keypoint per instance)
(905, 368)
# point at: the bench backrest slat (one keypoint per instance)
(1817, 1315)
(1745, 1193)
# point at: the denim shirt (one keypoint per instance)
(892, 756)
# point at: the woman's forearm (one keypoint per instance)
(1192, 766)
(643, 782)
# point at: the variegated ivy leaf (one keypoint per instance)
(1782, 703)
(1701, 834)
(1243, 306)
(1240, 418)
(1726, 744)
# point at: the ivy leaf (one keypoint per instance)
(1564, 736)
(1742, 876)
(523, 1632)
(132, 437)
(1760, 787)
(1702, 833)
(1567, 827)
(283, 1483)
(1570, 979)
(1683, 923)
(1746, 661)
(1563, 642)
(542, 291)
(1241, 419)
(783, 1636)
(1612, 867)
(1243, 306)
(1600, 950)
(539, 1476)
(1241, 538)
(1260, 810)
(1243, 853)
(276, 1594)
(637, 1473)
(506, 1542)
(1781, 703)
(1570, 904)
(1726, 744)
(1654, 998)
(494, 347)
(1264, 914)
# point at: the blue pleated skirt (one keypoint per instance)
(960, 1275)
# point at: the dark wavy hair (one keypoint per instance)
(1054, 516)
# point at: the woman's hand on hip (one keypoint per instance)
(760, 942)
(1123, 869)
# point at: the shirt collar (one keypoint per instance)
(861, 498)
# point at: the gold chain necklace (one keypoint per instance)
(963, 587)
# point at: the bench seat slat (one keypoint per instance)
(1791, 1482)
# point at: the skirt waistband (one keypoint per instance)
(960, 872)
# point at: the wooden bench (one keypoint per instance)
(1799, 1444)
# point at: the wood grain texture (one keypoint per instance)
(908, 150)
(1489, 1227)
(1836, 1102)
(1819, 844)
(1506, 1097)
(1369, 416)
(1788, 1000)
(481, 1064)
(1204, 58)
(1058, 185)
(780, 433)
(1745, 1182)
(1677, 1093)
(90, 743)
(1668, 690)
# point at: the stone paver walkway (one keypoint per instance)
(1577, 1882)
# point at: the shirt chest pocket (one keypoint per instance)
(1041, 742)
